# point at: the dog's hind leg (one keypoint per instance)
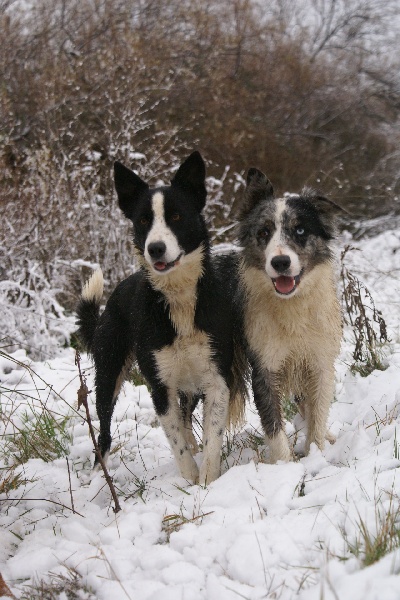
(268, 402)
(188, 403)
(215, 411)
(113, 358)
(169, 412)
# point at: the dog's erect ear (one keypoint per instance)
(258, 188)
(129, 186)
(191, 177)
(326, 206)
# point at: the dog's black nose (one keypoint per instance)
(280, 263)
(156, 249)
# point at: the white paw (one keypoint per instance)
(189, 469)
(209, 472)
(330, 437)
(284, 454)
(319, 441)
(279, 448)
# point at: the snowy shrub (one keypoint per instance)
(31, 316)
(223, 193)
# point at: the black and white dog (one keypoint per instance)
(292, 319)
(174, 317)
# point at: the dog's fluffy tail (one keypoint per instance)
(239, 388)
(89, 308)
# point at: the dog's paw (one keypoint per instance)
(284, 456)
(330, 437)
(279, 448)
(189, 470)
(319, 441)
(209, 473)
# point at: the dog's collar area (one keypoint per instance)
(285, 285)
(162, 267)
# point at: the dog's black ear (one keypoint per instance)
(328, 211)
(325, 206)
(129, 186)
(191, 176)
(258, 188)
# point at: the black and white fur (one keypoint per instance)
(174, 317)
(292, 319)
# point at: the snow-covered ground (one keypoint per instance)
(259, 531)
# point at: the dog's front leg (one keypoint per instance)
(170, 415)
(268, 402)
(215, 411)
(318, 400)
(188, 403)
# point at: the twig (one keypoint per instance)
(70, 487)
(82, 400)
(4, 589)
(39, 500)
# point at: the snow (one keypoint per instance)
(259, 531)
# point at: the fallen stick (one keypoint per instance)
(82, 400)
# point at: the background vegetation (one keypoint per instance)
(308, 91)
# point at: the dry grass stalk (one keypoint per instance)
(366, 321)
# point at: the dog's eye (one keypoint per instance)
(264, 233)
(300, 231)
(176, 217)
(144, 221)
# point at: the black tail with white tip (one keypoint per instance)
(89, 308)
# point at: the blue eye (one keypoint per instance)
(300, 231)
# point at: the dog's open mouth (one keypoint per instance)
(163, 267)
(286, 285)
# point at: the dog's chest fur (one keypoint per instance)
(297, 331)
(186, 363)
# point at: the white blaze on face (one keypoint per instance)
(278, 247)
(160, 232)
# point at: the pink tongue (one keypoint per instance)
(160, 266)
(284, 284)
